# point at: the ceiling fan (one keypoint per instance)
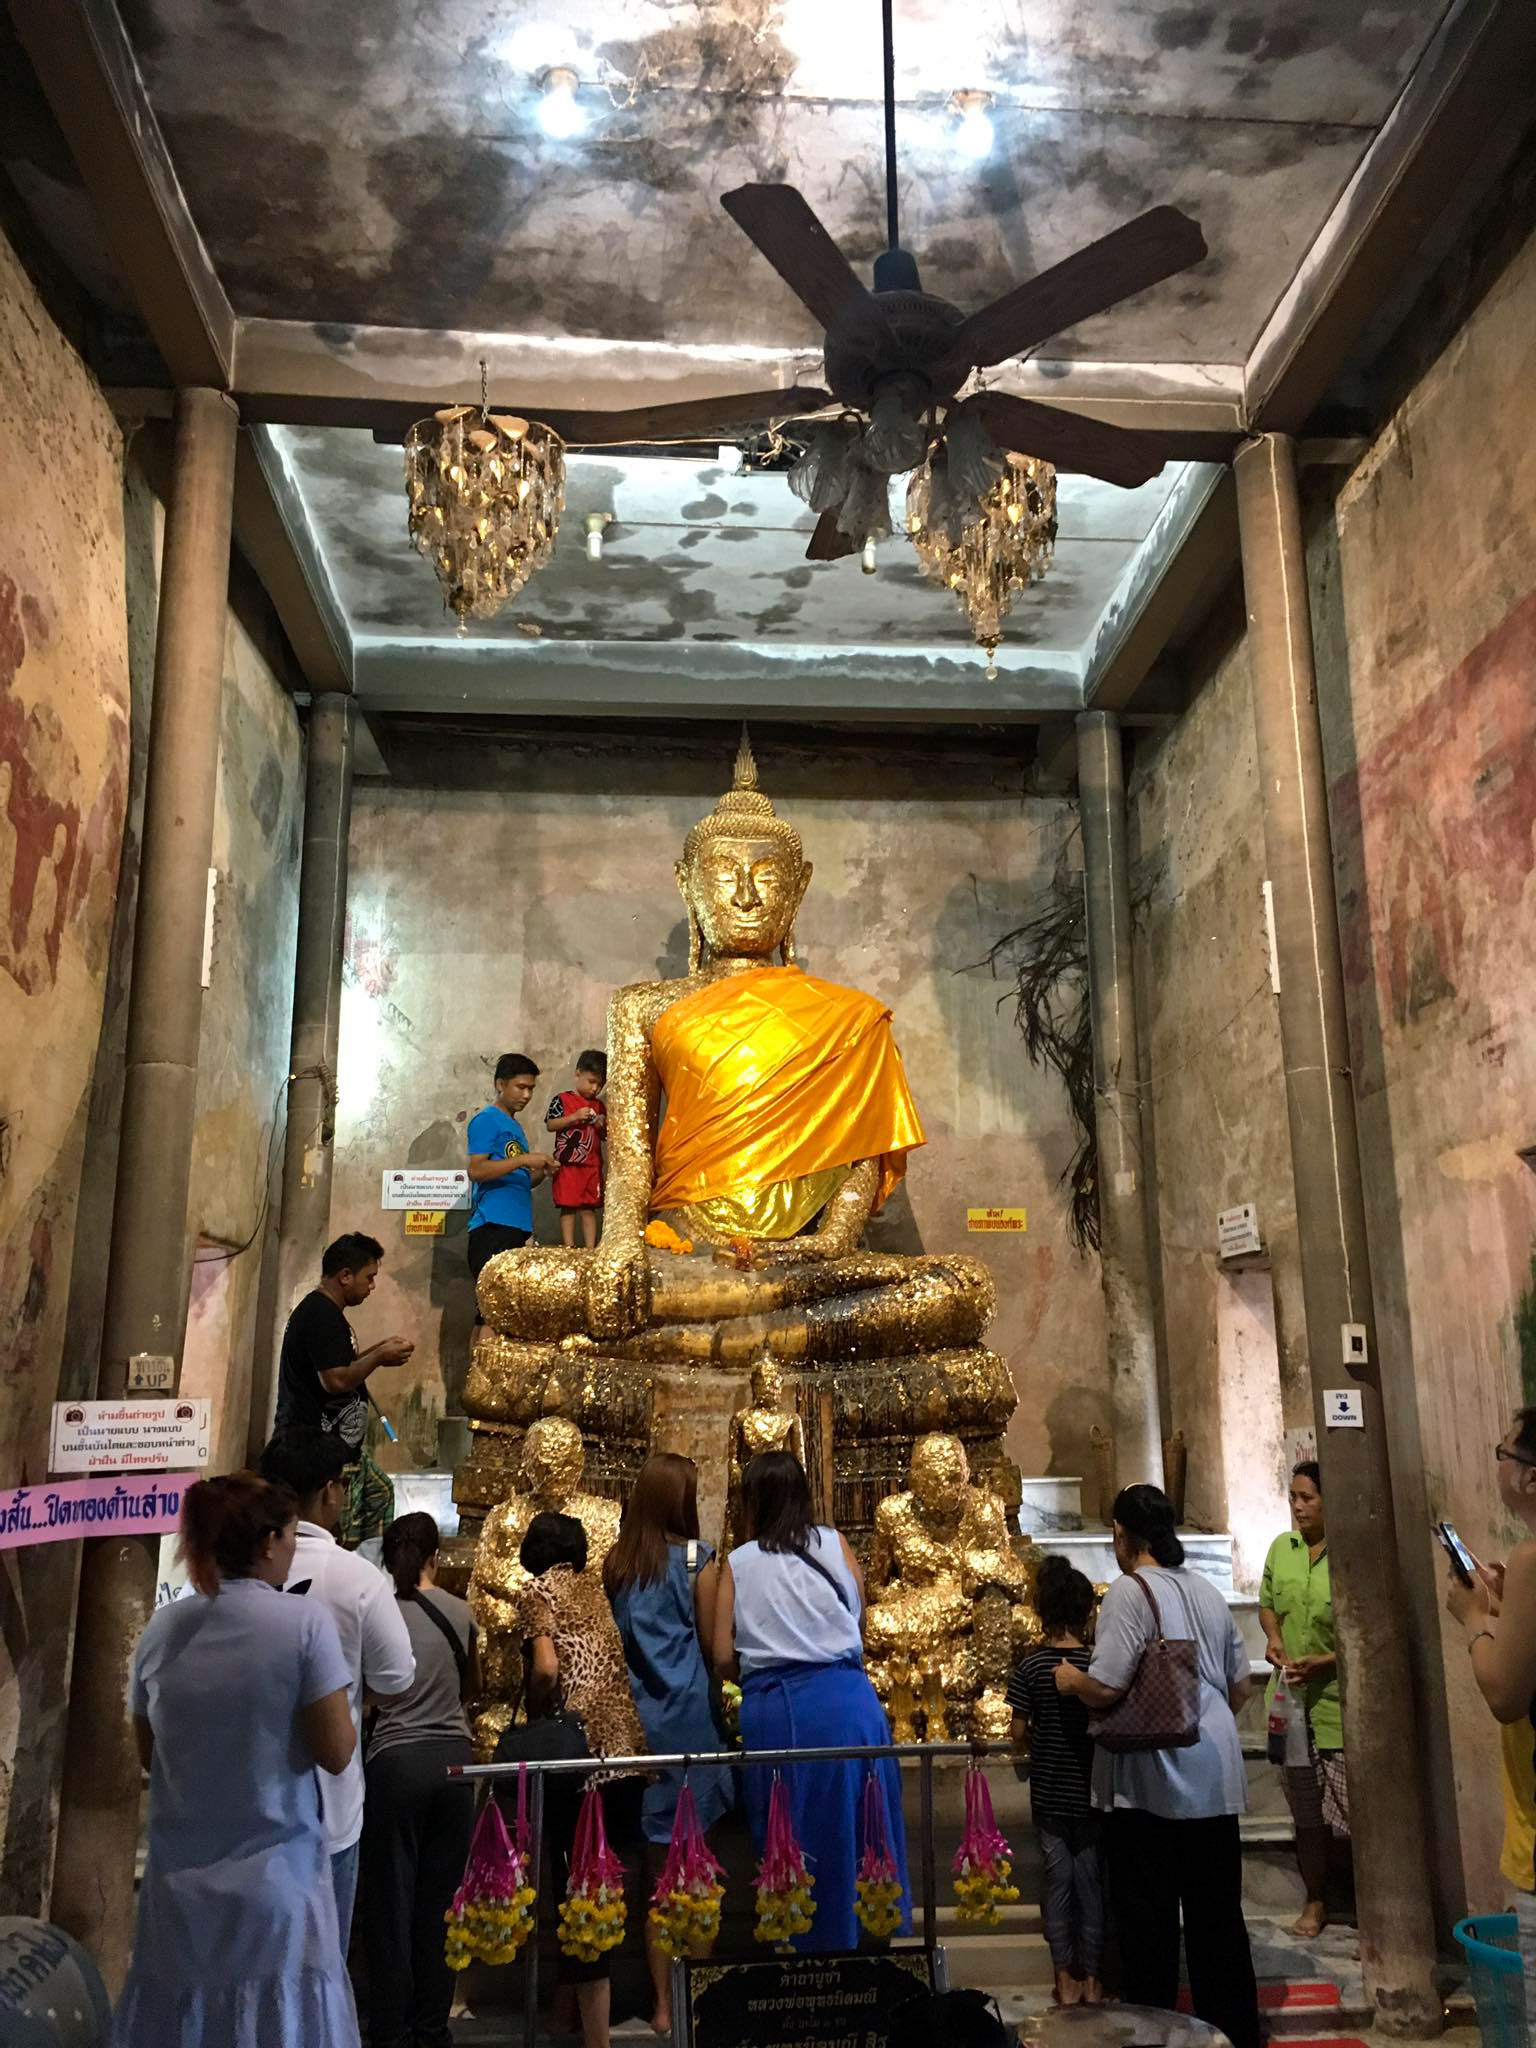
(897, 357)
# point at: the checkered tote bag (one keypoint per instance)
(1160, 1708)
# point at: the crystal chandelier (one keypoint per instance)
(987, 549)
(485, 494)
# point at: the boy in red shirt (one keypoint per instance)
(578, 1119)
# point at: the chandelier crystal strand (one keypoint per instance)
(485, 492)
(1004, 545)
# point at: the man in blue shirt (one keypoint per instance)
(503, 1172)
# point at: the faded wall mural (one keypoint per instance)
(64, 717)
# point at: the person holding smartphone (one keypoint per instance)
(1296, 1614)
(1498, 1612)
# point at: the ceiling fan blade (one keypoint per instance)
(1156, 245)
(780, 221)
(1072, 441)
(691, 416)
(829, 543)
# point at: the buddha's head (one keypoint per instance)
(940, 1474)
(767, 1383)
(553, 1458)
(743, 874)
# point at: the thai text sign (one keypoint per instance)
(142, 1435)
(833, 2001)
(995, 1219)
(424, 1222)
(90, 1507)
(419, 1187)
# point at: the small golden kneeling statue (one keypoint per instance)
(764, 1426)
(946, 1601)
(553, 1460)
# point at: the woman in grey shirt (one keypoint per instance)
(1171, 1828)
(417, 1821)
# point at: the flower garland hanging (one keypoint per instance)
(878, 1890)
(785, 1907)
(983, 1862)
(592, 1917)
(492, 1913)
(685, 1908)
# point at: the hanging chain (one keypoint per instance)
(484, 401)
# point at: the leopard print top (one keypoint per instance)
(572, 1609)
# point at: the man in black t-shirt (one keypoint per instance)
(321, 1380)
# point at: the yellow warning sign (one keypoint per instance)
(425, 1222)
(995, 1219)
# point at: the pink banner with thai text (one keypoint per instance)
(138, 1505)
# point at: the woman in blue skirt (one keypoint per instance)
(662, 1582)
(789, 1617)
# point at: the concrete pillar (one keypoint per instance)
(309, 1146)
(1397, 1940)
(1126, 1255)
(147, 1276)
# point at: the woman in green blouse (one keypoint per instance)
(1296, 1612)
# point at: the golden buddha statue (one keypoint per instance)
(945, 1587)
(553, 1460)
(735, 1215)
(763, 1426)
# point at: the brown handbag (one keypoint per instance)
(1160, 1708)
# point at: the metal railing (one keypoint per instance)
(924, 1754)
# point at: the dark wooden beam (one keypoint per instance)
(1453, 126)
(86, 67)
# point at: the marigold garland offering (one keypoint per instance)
(665, 1238)
(983, 1862)
(685, 1909)
(492, 1913)
(785, 1907)
(592, 1917)
(878, 1898)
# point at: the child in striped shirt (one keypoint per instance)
(1055, 1729)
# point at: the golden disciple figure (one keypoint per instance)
(764, 1426)
(944, 1582)
(787, 1122)
(553, 1461)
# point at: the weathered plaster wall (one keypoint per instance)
(1211, 1066)
(1425, 588)
(498, 910)
(78, 592)
(1423, 585)
(64, 713)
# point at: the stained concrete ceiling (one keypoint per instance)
(372, 190)
(386, 164)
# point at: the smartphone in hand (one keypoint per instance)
(1463, 1563)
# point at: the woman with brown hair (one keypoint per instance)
(237, 1696)
(661, 1581)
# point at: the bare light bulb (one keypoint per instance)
(596, 521)
(560, 116)
(867, 560)
(973, 130)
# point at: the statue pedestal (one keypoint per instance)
(691, 1413)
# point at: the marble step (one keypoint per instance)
(1092, 1550)
(1048, 1507)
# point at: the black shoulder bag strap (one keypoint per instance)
(832, 1580)
(440, 1621)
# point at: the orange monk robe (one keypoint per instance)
(773, 1077)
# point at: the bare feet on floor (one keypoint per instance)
(1314, 1918)
(1093, 1991)
(1069, 1989)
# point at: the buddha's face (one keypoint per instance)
(744, 894)
(553, 1458)
(940, 1474)
(767, 1383)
